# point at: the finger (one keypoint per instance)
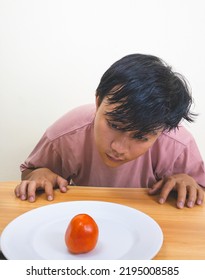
(17, 191)
(156, 187)
(166, 189)
(48, 190)
(62, 183)
(32, 191)
(200, 196)
(23, 190)
(182, 193)
(192, 195)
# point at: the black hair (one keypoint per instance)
(148, 94)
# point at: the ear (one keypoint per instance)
(97, 102)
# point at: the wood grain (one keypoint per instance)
(183, 229)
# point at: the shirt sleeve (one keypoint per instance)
(175, 153)
(44, 155)
(191, 163)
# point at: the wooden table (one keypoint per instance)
(183, 229)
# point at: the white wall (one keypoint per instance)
(53, 53)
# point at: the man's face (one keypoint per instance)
(117, 147)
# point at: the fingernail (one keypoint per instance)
(190, 204)
(161, 200)
(199, 202)
(180, 204)
(23, 197)
(64, 189)
(50, 197)
(31, 199)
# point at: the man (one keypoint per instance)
(132, 137)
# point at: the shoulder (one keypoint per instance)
(177, 152)
(77, 119)
(179, 142)
(172, 144)
(180, 136)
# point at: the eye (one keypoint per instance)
(113, 125)
(141, 138)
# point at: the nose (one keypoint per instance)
(120, 145)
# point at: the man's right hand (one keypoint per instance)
(41, 178)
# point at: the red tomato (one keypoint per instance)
(81, 235)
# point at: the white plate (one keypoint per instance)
(124, 233)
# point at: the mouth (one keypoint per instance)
(114, 159)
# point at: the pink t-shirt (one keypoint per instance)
(68, 149)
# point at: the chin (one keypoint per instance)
(113, 165)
